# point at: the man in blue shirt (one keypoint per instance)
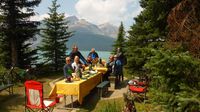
(93, 54)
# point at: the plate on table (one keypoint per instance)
(87, 75)
(93, 72)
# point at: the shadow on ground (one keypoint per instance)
(122, 84)
(7, 102)
(90, 101)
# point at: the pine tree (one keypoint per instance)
(3, 54)
(148, 31)
(17, 30)
(120, 42)
(55, 36)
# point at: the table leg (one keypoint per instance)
(101, 93)
(65, 100)
(72, 101)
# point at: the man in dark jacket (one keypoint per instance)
(74, 53)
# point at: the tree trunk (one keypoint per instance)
(14, 56)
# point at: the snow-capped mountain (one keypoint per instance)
(82, 25)
(72, 20)
(87, 35)
(109, 30)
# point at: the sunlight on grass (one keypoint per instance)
(113, 105)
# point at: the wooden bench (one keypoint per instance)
(103, 86)
(5, 84)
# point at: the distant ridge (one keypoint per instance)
(82, 25)
(88, 35)
(86, 41)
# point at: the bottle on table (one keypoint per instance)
(90, 67)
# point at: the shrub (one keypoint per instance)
(179, 79)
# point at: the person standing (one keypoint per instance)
(75, 52)
(117, 68)
(123, 60)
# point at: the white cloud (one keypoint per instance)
(41, 17)
(112, 11)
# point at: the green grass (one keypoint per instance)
(109, 105)
(92, 103)
(15, 102)
(100, 105)
(114, 105)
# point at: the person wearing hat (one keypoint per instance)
(117, 68)
(74, 53)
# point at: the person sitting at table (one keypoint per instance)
(67, 69)
(94, 55)
(76, 65)
(75, 52)
(117, 68)
(109, 67)
(89, 60)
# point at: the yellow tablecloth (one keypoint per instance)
(99, 69)
(78, 88)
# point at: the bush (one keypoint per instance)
(174, 68)
(179, 79)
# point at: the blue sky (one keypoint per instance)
(95, 11)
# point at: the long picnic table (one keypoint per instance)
(79, 88)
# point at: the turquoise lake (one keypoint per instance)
(102, 54)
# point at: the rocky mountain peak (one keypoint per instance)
(82, 25)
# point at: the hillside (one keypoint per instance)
(86, 41)
(87, 35)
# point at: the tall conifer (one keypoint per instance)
(120, 42)
(148, 31)
(17, 29)
(55, 36)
